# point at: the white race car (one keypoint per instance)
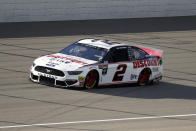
(89, 63)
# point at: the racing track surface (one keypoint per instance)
(150, 108)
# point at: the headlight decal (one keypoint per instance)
(74, 72)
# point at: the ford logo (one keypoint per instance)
(48, 71)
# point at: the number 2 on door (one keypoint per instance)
(121, 69)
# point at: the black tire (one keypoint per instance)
(91, 80)
(144, 77)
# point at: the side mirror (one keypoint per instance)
(101, 60)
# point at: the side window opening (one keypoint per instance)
(136, 53)
(120, 54)
(131, 54)
(124, 54)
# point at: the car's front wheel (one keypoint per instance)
(91, 80)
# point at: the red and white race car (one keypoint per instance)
(92, 62)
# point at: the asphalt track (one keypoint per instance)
(169, 105)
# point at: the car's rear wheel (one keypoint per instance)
(144, 77)
(91, 80)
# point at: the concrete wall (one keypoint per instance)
(52, 10)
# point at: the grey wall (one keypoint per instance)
(52, 10)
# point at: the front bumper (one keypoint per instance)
(51, 80)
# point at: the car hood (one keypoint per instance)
(63, 62)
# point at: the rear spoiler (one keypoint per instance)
(152, 51)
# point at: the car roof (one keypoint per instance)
(101, 43)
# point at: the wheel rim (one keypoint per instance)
(144, 77)
(90, 80)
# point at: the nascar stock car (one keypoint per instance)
(88, 63)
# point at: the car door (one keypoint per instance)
(116, 66)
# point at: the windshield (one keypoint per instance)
(85, 51)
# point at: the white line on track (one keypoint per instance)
(96, 121)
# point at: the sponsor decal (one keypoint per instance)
(66, 58)
(145, 63)
(51, 64)
(81, 83)
(104, 69)
(121, 47)
(155, 69)
(62, 61)
(160, 62)
(47, 75)
(133, 77)
(81, 80)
